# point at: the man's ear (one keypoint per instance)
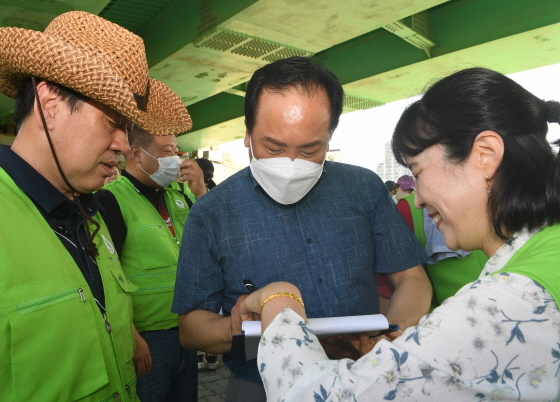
(488, 149)
(50, 104)
(135, 153)
(247, 140)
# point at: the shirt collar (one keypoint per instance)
(501, 257)
(141, 187)
(40, 190)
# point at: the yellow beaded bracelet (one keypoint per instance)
(282, 294)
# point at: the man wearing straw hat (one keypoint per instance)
(65, 311)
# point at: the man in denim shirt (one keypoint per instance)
(326, 227)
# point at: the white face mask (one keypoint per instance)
(284, 180)
(169, 168)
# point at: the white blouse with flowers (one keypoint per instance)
(497, 339)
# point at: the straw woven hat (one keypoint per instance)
(98, 59)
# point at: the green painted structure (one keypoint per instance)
(382, 50)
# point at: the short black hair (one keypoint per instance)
(139, 137)
(525, 191)
(25, 99)
(207, 168)
(390, 184)
(294, 72)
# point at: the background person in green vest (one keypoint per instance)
(65, 310)
(447, 269)
(476, 143)
(146, 219)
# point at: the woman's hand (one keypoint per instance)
(388, 336)
(250, 306)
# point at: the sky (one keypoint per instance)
(361, 135)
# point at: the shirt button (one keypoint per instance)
(308, 240)
(320, 280)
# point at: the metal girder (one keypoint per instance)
(227, 54)
(507, 35)
(416, 32)
(184, 22)
(189, 45)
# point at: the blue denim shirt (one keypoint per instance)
(329, 244)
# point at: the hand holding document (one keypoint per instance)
(322, 327)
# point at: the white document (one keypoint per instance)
(322, 327)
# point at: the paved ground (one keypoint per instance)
(212, 383)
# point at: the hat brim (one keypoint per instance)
(26, 53)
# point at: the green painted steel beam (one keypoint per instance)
(182, 22)
(462, 24)
(382, 66)
(506, 35)
(370, 54)
(215, 110)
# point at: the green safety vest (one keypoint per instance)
(54, 342)
(539, 259)
(449, 275)
(185, 190)
(150, 253)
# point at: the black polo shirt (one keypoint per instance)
(61, 214)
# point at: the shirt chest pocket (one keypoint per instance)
(55, 347)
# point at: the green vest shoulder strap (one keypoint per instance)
(84, 355)
(539, 259)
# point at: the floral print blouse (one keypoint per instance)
(497, 339)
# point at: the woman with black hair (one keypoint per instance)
(476, 143)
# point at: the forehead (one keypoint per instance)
(293, 110)
(165, 140)
(270, 99)
(434, 159)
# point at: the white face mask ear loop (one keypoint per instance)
(141, 168)
(149, 154)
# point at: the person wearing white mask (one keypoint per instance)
(292, 216)
(145, 220)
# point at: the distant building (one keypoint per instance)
(390, 169)
(380, 170)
